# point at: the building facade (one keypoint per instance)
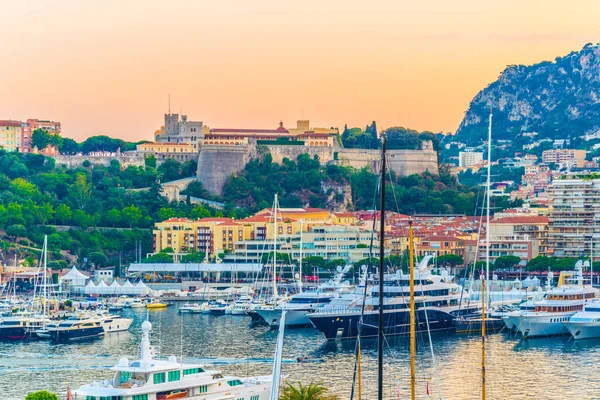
(178, 151)
(11, 133)
(468, 159)
(573, 222)
(176, 130)
(566, 157)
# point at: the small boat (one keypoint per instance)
(114, 323)
(219, 307)
(176, 394)
(190, 308)
(585, 324)
(116, 307)
(137, 303)
(241, 306)
(156, 305)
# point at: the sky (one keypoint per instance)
(109, 66)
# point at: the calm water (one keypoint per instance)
(542, 368)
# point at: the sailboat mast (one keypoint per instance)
(275, 250)
(301, 254)
(381, 276)
(482, 337)
(45, 279)
(487, 213)
(411, 265)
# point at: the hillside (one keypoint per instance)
(557, 99)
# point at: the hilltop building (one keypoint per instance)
(565, 157)
(16, 135)
(11, 133)
(177, 131)
(468, 159)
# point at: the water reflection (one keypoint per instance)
(556, 368)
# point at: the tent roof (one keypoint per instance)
(127, 284)
(196, 267)
(74, 274)
(90, 284)
(115, 284)
(141, 284)
(102, 284)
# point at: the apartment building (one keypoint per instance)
(567, 157)
(573, 222)
(467, 159)
(10, 135)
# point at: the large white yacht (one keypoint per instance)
(558, 306)
(585, 324)
(305, 303)
(153, 379)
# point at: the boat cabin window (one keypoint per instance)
(11, 323)
(203, 389)
(159, 377)
(309, 300)
(104, 397)
(235, 382)
(174, 376)
(192, 371)
(139, 397)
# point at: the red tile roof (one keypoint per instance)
(534, 219)
(10, 123)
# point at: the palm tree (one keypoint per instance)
(314, 391)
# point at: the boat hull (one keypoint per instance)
(583, 330)
(395, 323)
(60, 335)
(473, 325)
(293, 318)
(117, 325)
(13, 333)
(544, 325)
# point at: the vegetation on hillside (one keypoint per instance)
(398, 138)
(85, 210)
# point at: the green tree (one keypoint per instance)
(150, 160)
(539, 263)
(169, 170)
(312, 391)
(24, 189)
(40, 138)
(132, 214)
(82, 219)
(311, 262)
(16, 231)
(333, 264)
(506, 262)
(165, 213)
(196, 257)
(99, 260)
(113, 216)
(450, 261)
(69, 146)
(81, 191)
(63, 213)
(199, 212)
(46, 213)
(158, 258)
(283, 258)
(41, 395)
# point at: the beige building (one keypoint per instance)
(162, 151)
(564, 156)
(10, 135)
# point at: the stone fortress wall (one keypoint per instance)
(217, 162)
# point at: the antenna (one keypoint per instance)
(169, 103)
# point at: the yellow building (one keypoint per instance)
(214, 236)
(308, 216)
(346, 218)
(10, 135)
(166, 147)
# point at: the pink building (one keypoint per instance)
(30, 126)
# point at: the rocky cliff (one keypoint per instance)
(557, 99)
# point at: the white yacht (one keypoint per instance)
(585, 324)
(511, 319)
(114, 323)
(241, 305)
(558, 306)
(153, 379)
(305, 303)
(191, 308)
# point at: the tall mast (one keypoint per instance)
(45, 279)
(275, 250)
(592, 259)
(488, 184)
(487, 258)
(381, 265)
(301, 253)
(411, 265)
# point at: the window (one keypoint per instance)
(235, 382)
(174, 376)
(192, 371)
(203, 389)
(140, 396)
(159, 378)
(254, 397)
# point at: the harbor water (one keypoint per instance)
(550, 368)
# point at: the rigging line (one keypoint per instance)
(364, 298)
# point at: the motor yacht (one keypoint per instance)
(82, 326)
(155, 379)
(190, 308)
(558, 306)
(585, 324)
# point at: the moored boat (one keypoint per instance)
(585, 324)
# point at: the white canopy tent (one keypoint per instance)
(141, 288)
(114, 288)
(74, 278)
(90, 288)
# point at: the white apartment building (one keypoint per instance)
(573, 222)
(468, 159)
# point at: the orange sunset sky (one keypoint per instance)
(107, 67)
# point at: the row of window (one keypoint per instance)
(161, 378)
